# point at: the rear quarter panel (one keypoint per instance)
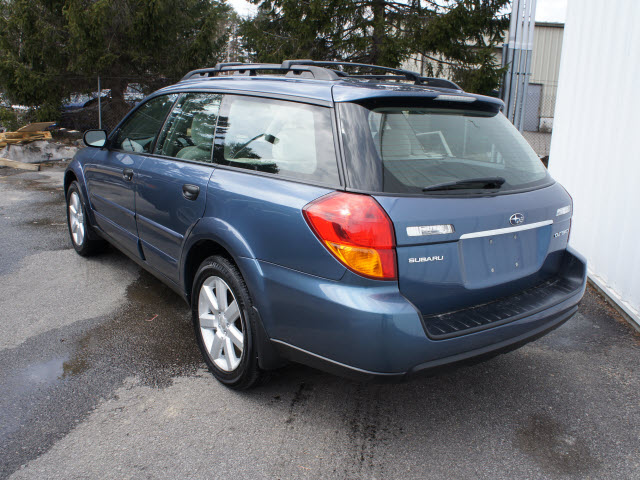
(261, 217)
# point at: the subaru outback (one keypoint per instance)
(374, 225)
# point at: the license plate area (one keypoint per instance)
(493, 259)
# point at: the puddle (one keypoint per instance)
(151, 338)
(38, 375)
(74, 367)
(26, 383)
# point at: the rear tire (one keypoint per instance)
(84, 240)
(224, 323)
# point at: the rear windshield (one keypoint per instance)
(409, 149)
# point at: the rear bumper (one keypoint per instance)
(366, 330)
(428, 368)
(567, 283)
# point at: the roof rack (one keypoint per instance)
(251, 69)
(316, 69)
(406, 73)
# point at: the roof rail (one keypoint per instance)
(251, 69)
(406, 73)
(317, 70)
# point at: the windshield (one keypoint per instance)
(409, 149)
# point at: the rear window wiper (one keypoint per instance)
(469, 183)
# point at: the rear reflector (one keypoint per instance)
(357, 231)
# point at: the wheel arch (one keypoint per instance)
(75, 173)
(210, 236)
(200, 249)
(197, 253)
(69, 178)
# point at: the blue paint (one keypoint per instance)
(306, 298)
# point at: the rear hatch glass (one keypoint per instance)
(412, 149)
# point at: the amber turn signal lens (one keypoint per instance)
(357, 231)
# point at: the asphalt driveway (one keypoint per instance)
(100, 377)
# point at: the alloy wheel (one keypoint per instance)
(76, 219)
(221, 324)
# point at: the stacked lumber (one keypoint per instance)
(5, 162)
(26, 134)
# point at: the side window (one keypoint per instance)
(189, 131)
(289, 139)
(140, 130)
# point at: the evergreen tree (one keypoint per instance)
(455, 36)
(51, 48)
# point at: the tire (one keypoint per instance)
(83, 238)
(225, 335)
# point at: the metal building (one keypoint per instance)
(593, 150)
(543, 83)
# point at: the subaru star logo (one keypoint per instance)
(516, 219)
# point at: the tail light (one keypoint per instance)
(357, 231)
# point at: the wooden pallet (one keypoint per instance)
(20, 138)
(26, 134)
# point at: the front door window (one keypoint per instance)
(188, 133)
(139, 131)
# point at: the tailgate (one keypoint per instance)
(499, 246)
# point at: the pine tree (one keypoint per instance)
(51, 48)
(456, 36)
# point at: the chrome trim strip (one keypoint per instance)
(417, 231)
(501, 231)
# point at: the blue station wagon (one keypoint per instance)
(375, 225)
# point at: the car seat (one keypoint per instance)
(202, 128)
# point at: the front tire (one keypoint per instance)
(83, 239)
(224, 325)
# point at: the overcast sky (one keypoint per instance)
(546, 10)
(551, 10)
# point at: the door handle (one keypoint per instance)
(190, 192)
(127, 174)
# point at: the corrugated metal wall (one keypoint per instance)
(545, 64)
(547, 48)
(594, 149)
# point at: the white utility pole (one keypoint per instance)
(517, 55)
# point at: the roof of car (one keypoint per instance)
(309, 81)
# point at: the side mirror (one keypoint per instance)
(95, 138)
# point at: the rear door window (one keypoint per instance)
(188, 133)
(139, 131)
(288, 139)
(410, 149)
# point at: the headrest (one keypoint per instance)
(396, 144)
(202, 128)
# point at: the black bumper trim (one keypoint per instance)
(505, 310)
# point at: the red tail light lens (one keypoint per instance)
(357, 231)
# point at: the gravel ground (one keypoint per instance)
(95, 386)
